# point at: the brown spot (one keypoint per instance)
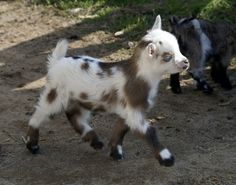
(110, 97)
(85, 66)
(73, 112)
(52, 95)
(84, 95)
(32, 136)
(137, 91)
(86, 105)
(119, 132)
(107, 67)
(100, 108)
(123, 102)
(143, 44)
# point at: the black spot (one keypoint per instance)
(74, 57)
(85, 66)
(88, 60)
(73, 37)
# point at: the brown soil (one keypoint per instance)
(200, 130)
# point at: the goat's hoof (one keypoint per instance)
(226, 86)
(115, 155)
(208, 90)
(176, 90)
(167, 162)
(165, 158)
(34, 149)
(97, 145)
(32, 146)
(205, 88)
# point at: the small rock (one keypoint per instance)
(224, 103)
(50, 132)
(218, 137)
(119, 33)
(76, 10)
(130, 44)
(229, 118)
(159, 117)
(177, 130)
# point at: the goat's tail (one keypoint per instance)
(58, 53)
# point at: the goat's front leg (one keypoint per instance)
(162, 154)
(141, 126)
(117, 139)
(175, 84)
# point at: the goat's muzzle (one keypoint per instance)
(183, 64)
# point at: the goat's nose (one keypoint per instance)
(184, 64)
(185, 61)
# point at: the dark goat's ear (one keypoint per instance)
(186, 20)
(173, 20)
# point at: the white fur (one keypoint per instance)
(119, 148)
(165, 154)
(205, 42)
(84, 121)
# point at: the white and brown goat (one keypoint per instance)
(202, 41)
(82, 85)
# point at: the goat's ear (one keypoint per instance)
(173, 20)
(151, 49)
(157, 23)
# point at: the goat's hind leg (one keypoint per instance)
(117, 139)
(49, 104)
(219, 72)
(79, 119)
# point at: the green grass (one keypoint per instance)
(220, 10)
(134, 17)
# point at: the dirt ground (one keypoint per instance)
(200, 130)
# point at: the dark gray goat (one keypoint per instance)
(202, 41)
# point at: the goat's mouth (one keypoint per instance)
(183, 65)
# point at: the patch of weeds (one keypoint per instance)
(184, 7)
(135, 17)
(220, 10)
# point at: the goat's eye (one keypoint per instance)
(166, 57)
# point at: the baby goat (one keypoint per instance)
(81, 85)
(201, 41)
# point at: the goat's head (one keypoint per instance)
(183, 30)
(162, 50)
